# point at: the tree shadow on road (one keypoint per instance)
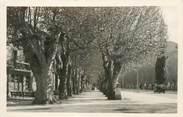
(148, 108)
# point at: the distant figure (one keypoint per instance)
(93, 88)
(168, 86)
(145, 85)
(141, 87)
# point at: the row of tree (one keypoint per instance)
(55, 57)
(57, 41)
(137, 37)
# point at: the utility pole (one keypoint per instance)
(123, 82)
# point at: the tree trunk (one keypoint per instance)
(45, 87)
(78, 82)
(41, 94)
(43, 72)
(116, 70)
(110, 93)
(56, 82)
(74, 81)
(7, 84)
(82, 83)
(111, 71)
(63, 83)
(69, 88)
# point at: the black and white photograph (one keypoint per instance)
(92, 59)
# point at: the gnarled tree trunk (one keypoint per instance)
(43, 72)
(108, 82)
(45, 86)
(63, 83)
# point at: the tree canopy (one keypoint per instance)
(124, 36)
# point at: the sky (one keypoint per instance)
(171, 17)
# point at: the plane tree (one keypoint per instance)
(39, 46)
(129, 36)
(48, 36)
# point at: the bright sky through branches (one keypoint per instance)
(170, 16)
